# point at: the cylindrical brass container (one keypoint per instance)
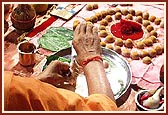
(27, 53)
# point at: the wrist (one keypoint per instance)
(91, 59)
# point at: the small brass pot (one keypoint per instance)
(27, 53)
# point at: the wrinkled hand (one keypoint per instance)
(55, 73)
(86, 42)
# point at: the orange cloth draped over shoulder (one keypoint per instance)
(24, 94)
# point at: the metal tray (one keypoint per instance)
(119, 74)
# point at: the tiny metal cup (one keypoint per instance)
(27, 52)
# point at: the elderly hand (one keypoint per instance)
(86, 42)
(56, 72)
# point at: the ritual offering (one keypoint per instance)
(132, 38)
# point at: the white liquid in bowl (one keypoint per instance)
(116, 75)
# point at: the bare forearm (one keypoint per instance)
(97, 80)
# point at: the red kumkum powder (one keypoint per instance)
(127, 29)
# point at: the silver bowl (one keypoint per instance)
(118, 62)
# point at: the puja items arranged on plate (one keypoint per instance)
(149, 100)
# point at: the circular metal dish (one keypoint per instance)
(120, 73)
